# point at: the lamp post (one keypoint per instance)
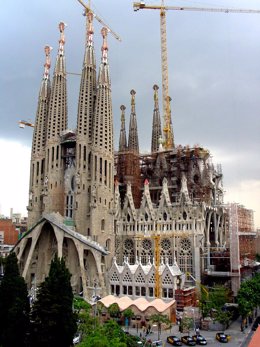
(193, 318)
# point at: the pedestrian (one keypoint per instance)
(197, 330)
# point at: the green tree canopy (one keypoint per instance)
(249, 296)
(159, 319)
(14, 306)
(109, 335)
(114, 310)
(53, 320)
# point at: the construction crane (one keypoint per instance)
(198, 283)
(24, 123)
(167, 127)
(88, 9)
(157, 254)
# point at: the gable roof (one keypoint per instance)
(57, 220)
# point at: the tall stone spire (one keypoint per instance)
(102, 175)
(103, 123)
(157, 130)
(57, 123)
(122, 138)
(133, 143)
(57, 118)
(86, 108)
(87, 91)
(38, 145)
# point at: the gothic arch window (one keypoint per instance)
(102, 224)
(129, 250)
(146, 251)
(146, 217)
(69, 206)
(108, 244)
(185, 256)
(165, 216)
(166, 250)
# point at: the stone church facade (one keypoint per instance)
(126, 223)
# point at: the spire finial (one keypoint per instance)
(133, 92)
(122, 108)
(155, 96)
(104, 48)
(62, 26)
(47, 65)
(122, 139)
(90, 30)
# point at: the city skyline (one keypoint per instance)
(214, 78)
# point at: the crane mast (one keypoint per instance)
(167, 126)
(167, 129)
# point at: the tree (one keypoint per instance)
(248, 296)
(128, 314)
(109, 335)
(186, 325)
(159, 319)
(218, 296)
(114, 310)
(14, 306)
(53, 320)
(214, 300)
(223, 317)
(86, 321)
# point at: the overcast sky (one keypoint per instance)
(214, 81)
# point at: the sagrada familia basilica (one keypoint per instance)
(127, 223)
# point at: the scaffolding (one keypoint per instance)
(234, 248)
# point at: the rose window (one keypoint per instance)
(129, 244)
(147, 244)
(165, 244)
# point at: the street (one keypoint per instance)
(238, 338)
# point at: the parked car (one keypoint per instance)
(157, 343)
(174, 340)
(222, 337)
(76, 339)
(188, 340)
(199, 339)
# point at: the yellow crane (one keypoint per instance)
(167, 127)
(198, 283)
(157, 254)
(88, 9)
